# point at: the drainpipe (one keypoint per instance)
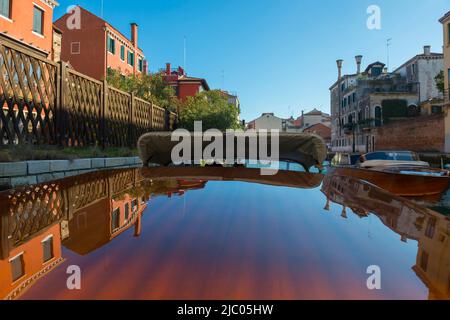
(339, 66)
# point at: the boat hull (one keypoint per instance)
(396, 183)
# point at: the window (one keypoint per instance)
(134, 205)
(111, 45)
(75, 48)
(47, 246)
(122, 52)
(436, 109)
(131, 58)
(431, 228)
(115, 219)
(17, 267)
(127, 211)
(141, 65)
(38, 20)
(5, 8)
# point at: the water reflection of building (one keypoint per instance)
(430, 229)
(81, 213)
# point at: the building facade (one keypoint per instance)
(322, 130)
(96, 46)
(423, 69)
(184, 85)
(312, 118)
(268, 121)
(232, 99)
(28, 24)
(363, 101)
(445, 21)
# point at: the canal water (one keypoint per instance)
(178, 234)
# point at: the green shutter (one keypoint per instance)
(131, 58)
(111, 45)
(122, 52)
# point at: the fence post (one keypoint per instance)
(61, 112)
(4, 233)
(167, 120)
(151, 116)
(131, 128)
(104, 114)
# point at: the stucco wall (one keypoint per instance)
(269, 122)
(20, 24)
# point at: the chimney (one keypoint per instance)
(134, 34)
(339, 65)
(358, 64)
(168, 69)
(427, 50)
(145, 66)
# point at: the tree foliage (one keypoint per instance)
(212, 108)
(150, 87)
(440, 81)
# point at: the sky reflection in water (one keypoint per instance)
(200, 239)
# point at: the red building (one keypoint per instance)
(28, 24)
(321, 130)
(97, 46)
(184, 86)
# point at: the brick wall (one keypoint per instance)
(422, 134)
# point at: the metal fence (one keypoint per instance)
(44, 102)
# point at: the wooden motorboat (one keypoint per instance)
(401, 173)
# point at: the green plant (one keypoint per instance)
(212, 108)
(150, 87)
(439, 79)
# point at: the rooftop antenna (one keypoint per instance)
(223, 79)
(184, 52)
(388, 44)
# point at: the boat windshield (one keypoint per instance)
(394, 156)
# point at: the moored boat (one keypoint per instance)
(399, 172)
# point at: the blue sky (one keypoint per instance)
(278, 55)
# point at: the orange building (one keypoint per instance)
(96, 46)
(28, 262)
(29, 24)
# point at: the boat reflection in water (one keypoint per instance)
(410, 221)
(240, 235)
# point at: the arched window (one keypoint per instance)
(413, 111)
